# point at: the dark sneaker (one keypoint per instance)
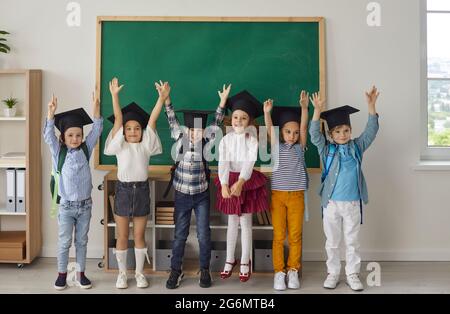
(85, 283)
(205, 278)
(174, 279)
(60, 283)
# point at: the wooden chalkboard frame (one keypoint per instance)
(100, 19)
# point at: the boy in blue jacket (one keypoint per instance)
(343, 188)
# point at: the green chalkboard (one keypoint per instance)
(272, 58)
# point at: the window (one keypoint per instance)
(436, 78)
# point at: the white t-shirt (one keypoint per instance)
(237, 153)
(133, 158)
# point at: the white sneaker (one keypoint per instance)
(331, 282)
(292, 279)
(354, 283)
(141, 281)
(121, 282)
(279, 281)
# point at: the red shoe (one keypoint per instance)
(224, 274)
(246, 276)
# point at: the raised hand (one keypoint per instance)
(224, 94)
(114, 87)
(268, 105)
(371, 98)
(52, 105)
(304, 99)
(163, 89)
(317, 102)
(96, 105)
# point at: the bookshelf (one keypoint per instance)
(164, 232)
(20, 232)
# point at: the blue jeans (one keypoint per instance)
(78, 215)
(184, 203)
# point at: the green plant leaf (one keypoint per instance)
(5, 46)
(2, 39)
(4, 32)
(3, 50)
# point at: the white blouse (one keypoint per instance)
(237, 153)
(133, 158)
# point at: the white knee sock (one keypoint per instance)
(232, 233)
(140, 255)
(121, 256)
(246, 239)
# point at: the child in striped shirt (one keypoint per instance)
(289, 183)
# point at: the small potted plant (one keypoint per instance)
(10, 103)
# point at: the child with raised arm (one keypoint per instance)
(73, 182)
(343, 188)
(289, 183)
(133, 140)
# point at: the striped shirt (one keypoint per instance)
(190, 176)
(75, 183)
(290, 173)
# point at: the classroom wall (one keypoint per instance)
(408, 214)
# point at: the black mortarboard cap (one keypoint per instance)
(72, 118)
(282, 115)
(338, 116)
(191, 116)
(246, 102)
(133, 112)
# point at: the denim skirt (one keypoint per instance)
(132, 199)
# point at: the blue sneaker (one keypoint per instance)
(60, 283)
(85, 283)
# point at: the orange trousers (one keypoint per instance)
(287, 214)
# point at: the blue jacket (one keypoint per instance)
(363, 142)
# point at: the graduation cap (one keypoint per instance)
(282, 115)
(190, 117)
(338, 116)
(246, 102)
(133, 112)
(72, 118)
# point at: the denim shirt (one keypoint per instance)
(75, 182)
(363, 142)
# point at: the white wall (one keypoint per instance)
(407, 218)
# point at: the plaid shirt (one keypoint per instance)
(190, 176)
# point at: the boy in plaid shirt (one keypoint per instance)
(190, 179)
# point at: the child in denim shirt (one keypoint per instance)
(75, 183)
(343, 188)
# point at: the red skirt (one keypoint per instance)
(253, 197)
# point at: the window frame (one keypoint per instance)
(427, 152)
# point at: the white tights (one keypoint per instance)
(245, 221)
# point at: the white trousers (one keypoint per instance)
(342, 218)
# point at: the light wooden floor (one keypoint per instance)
(396, 277)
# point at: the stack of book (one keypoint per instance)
(264, 217)
(164, 213)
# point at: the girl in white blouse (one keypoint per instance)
(241, 190)
(133, 139)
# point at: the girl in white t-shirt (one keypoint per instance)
(133, 139)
